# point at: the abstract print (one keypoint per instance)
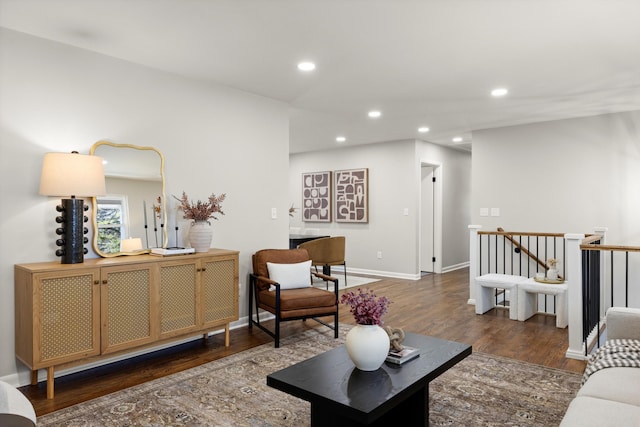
(316, 197)
(352, 195)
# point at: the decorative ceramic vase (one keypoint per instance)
(200, 236)
(367, 346)
(552, 274)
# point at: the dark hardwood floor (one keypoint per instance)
(434, 305)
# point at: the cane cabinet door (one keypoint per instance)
(68, 310)
(178, 297)
(129, 306)
(219, 278)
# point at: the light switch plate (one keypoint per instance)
(484, 211)
(495, 211)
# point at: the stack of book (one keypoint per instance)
(399, 357)
(171, 251)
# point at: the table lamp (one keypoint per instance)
(72, 174)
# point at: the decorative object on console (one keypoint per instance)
(352, 195)
(367, 343)
(172, 251)
(552, 272)
(131, 245)
(72, 174)
(200, 236)
(200, 212)
(156, 212)
(316, 197)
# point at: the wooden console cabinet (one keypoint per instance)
(70, 314)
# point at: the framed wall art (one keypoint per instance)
(316, 196)
(352, 195)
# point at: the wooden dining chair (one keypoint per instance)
(326, 252)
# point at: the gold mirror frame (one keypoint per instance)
(148, 240)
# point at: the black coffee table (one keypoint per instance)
(341, 395)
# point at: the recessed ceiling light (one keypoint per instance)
(499, 92)
(457, 139)
(306, 66)
(423, 129)
(341, 139)
(374, 114)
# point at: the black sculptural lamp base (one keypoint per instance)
(72, 231)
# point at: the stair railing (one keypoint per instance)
(610, 277)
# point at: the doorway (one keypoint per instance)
(430, 223)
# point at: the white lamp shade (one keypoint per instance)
(72, 174)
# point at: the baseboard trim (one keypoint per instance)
(456, 267)
(572, 354)
(379, 273)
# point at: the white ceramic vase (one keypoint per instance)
(200, 236)
(367, 346)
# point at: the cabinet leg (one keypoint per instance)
(227, 341)
(34, 377)
(50, 382)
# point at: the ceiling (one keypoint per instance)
(421, 63)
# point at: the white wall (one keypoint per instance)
(565, 176)
(394, 184)
(214, 139)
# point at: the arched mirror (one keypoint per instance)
(131, 218)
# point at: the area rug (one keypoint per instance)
(352, 281)
(482, 390)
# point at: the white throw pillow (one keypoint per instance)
(290, 276)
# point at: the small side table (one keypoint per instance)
(528, 300)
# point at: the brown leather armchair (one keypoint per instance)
(327, 251)
(288, 304)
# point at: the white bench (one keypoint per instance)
(485, 286)
(528, 300)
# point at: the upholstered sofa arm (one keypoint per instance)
(623, 322)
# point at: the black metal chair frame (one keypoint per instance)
(253, 300)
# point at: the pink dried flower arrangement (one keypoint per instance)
(367, 309)
(201, 211)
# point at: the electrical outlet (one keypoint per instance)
(379, 254)
(274, 213)
(405, 212)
